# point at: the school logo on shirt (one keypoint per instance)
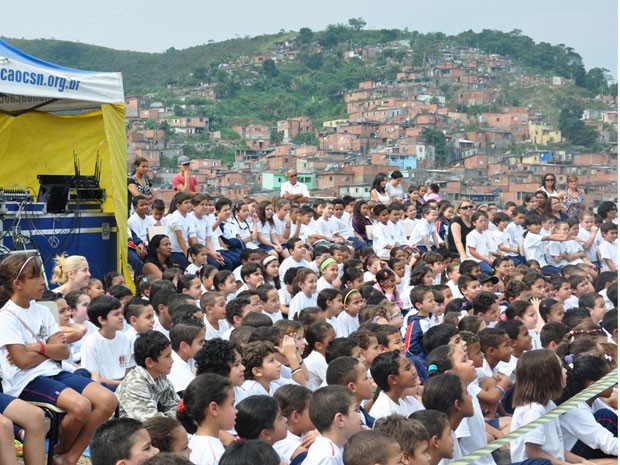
(122, 361)
(43, 333)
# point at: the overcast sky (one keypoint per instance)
(589, 27)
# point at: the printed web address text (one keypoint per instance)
(39, 79)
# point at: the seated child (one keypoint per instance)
(214, 306)
(186, 339)
(168, 435)
(206, 411)
(334, 413)
(146, 391)
(440, 439)
(261, 369)
(107, 352)
(121, 440)
(411, 435)
(396, 378)
(294, 403)
(260, 417)
(371, 448)
(353, 374)
(318, 336)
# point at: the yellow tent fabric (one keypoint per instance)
(43, 143)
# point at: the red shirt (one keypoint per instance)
(179, 181)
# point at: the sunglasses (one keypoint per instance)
(467, 207)
(549, 179)
(293, 176)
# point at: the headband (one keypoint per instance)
(325, 263)
(21, 270)
(346, 296)
(268, 259)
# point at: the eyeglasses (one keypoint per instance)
(467, 207)
(293, 176)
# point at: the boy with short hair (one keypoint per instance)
(140, 316)
(580, 285)
(411, 435)
(515, 228)
(297, 258)
(520, 341)
(107, 351)
(552, 334)
(495, 345)
(186, 339)
(389, 338)
(423, 300)
(158, 210)
(252, 277)
(335, 414)
(470, 288)
(146, 391)
(502, 237)
(352, 374)
(440, 442)
(121, 441)
(140, 221)
(371, 448)
(163, 322)
(435, 262)
(236, 311)
(214, 306)
(608, 248)
(327, 226)
(395, 376)
(270, 298)
(486, 306)
(595, 304)
(610, 325)
(261, 369)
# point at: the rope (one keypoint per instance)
(610, 379)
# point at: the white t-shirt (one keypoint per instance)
(382, 236)
(350, 323)
(287, 446)
(264, 230)
(39, 319)
(178, 222)
(323, 452)
(299, 302)
(339, 328)
(384, 406)
(422, 229)
(322, 284)
(480, 242)
(579, 424)
(503, 238)
(288, 263)
(608, 251)
(471, 430)
(534, 249)
(327, 228)
(317, 370)
(140, 226)
(212, 333)
(206, 450)
(109, 358)
(548, 435)
(181, 373)
(201, 227)
(590, 251)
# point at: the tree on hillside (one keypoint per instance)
(269, 68)
(573, 127)
(597, 81)
(438, 140)
(357, 23)
(305, 35)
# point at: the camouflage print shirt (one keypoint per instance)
(142, 397)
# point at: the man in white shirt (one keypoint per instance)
(294, 190)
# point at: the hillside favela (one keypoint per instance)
(483, 115)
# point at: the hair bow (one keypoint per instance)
(181, 407)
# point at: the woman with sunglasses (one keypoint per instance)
(460, 227)
(608, 211)
(548, 185)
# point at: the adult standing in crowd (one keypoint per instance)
(460, 227)
(377, 189)
(292, 189)
(548, 185)
(394, 188)
(183, 181)
(574, 198)
(139, 183)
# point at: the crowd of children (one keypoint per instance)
(346, 332)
